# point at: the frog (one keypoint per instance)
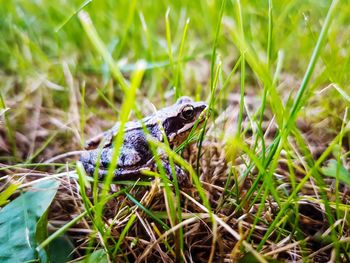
(174, 122)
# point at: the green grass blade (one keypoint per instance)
(178, 92)
(81, 7)
(91, 32)
(311, 66)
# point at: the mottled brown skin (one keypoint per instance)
(135, 155)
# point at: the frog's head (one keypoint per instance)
(182, 117)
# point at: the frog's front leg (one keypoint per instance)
(181, 176)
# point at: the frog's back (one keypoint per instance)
(135, 150)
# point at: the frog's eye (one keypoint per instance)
(187, 112)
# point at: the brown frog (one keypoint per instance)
(135, 155)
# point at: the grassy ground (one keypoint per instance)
(271, 168)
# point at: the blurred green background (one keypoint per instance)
(36, 36)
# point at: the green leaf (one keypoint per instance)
(60, 250)
(4, 195)
(19, 220)
(99, 256)
(334, 168)
(40, 235)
